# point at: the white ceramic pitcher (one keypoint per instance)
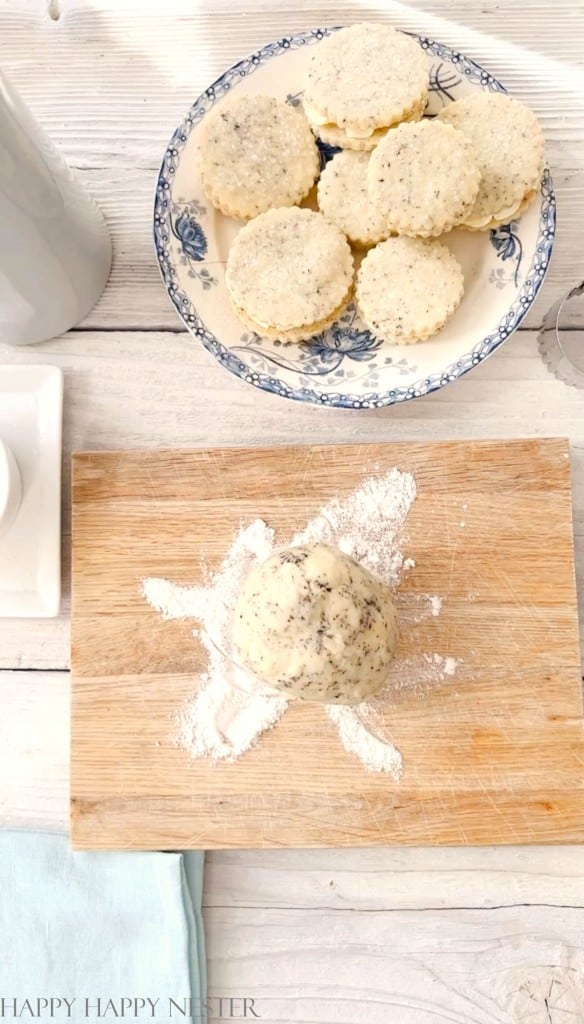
(55, 250)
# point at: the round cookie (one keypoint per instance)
(343, 198)
(509, 148)
(332, 135)
(289, 273)
(365, 77)
(256, 153)
(423, 178)
(315, 624)
(407, 288)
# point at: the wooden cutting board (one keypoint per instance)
(494, 755)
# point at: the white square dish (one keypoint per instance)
(31, 409)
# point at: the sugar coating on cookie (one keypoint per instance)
(289, 270)
(365, 77)
(509, 146)
(256, 152)
(332, 135)
(407, 288)
(344, 199)
(423, 178)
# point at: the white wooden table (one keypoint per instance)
(409, 936)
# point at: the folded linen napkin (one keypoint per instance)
(99, 936)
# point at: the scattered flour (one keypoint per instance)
(362, 733)
(414, 675)
(368, 524)
(416, 608)
(232, 708)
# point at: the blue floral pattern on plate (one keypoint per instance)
(191, 236)
(344, 352)
(507, 245)
(185, 225)
(345, 366)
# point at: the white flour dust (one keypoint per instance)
(363, 733)
(232, 708)
(414, 675)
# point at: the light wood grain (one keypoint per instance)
(395, 878)
(495, 758)
(34, 749)
(315, 935)
(506, 966)
(126, 390)
(112, 85)
(34, 729)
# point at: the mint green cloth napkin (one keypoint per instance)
(93, 927)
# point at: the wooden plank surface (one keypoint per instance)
(517, 965)
(153, 389)
(494, 758)
(306, 933)
(34, 750)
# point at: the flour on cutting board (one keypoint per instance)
(232, 709)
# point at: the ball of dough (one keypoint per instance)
(314, 623)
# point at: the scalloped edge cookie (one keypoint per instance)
(505, 217)
(423, 178)
(365, 77)
(293, 334)
(408, 288)
(289, 273)
(256, 153)
(509, 146)
(343, 198)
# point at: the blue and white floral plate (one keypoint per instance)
(344, 366)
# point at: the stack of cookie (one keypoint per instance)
(362, 81)
(397, 184)
(509, 148)
(290, 274)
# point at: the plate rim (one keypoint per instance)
(187, 311)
